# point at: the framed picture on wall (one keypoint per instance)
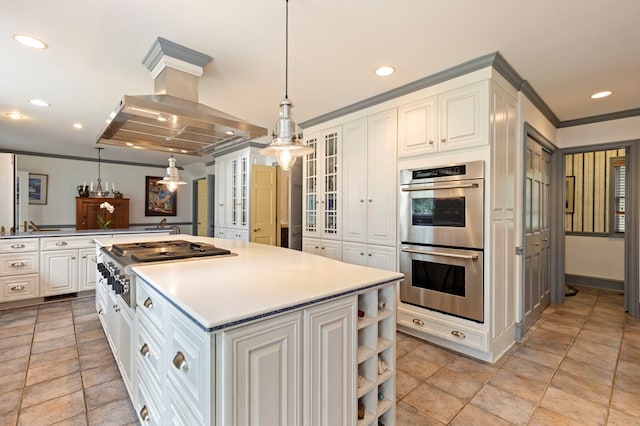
(570, 187)
(38, 188)
(158, 200)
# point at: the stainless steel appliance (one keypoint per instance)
(116, 261)
(441, 231)
(443, 205)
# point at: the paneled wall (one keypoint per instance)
(588, 190)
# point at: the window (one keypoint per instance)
(618, 178)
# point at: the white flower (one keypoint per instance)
(107, 206)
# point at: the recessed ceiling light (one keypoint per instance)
(29, 41)
(14, 115)
(78, 126)
(161, 118)
(39, 102)
(128, 144)
(230, 132)
(385, 71)
(602, 94)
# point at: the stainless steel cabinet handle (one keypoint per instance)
(17, 288)
(180, 362)
(407, 188)
(100, 312)
(443, 140)
(418, 322)
(430, 142)
(62, 243)
(148, 303)
(144, 413)
(362, 201)
(18, 264)
(437, 253)
(18, 246)
(458, 334)
(144, 350)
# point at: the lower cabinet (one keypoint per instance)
(326, 248)
(381, 257)
(119, 327)
(59, 272)
(231, 234)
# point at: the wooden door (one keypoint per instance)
(537, 229)
(263, 204)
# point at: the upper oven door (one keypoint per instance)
(443, 213)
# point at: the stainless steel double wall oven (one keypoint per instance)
(441, 234)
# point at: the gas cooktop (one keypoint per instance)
(155, 251)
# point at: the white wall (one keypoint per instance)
(624, 129)
(595, 257)
(65, 175)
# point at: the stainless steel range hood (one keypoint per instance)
(172, 120)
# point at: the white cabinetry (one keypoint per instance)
(63, 267)
(322, 177)
(454, 119)
(326, 248)
(381, 257)
(19, 269)
(232, 195)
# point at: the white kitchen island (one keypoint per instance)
(270, 336)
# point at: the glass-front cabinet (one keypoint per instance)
(322, 179)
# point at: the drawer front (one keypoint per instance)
(20, 287)
(189, 363)
(451, 332)
(149, 347)
(18, 264)
(19, 245)
(150, 303)
(62, 243)
(148, 405)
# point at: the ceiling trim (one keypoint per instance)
(599, 118)
(95, 160)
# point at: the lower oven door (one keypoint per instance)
(443, 279)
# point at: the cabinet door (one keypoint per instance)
(355, 180)
(221, 192)
(311, 201)
(382, 257)
(239, 187)
(329, 363)
(464, 117)
(331, 249)
(124, 324)
(87, 271)
(330, 173)
(262, 373)
(59, 271)
(417, 132)
(382, 176)
(355, 253)
(311, 245)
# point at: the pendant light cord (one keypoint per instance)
(286, 52)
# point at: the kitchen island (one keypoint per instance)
(267, 336)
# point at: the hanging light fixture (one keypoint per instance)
(99, 191)
(285, 145)
(172, 179)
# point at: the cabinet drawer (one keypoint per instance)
(62, 243)
(18, 264)
(19, 287)
(148, 405)
(148, 349)
(189, 363)
(19, 245)
(445, 330)
(150, 304)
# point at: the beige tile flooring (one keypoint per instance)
(579, 365)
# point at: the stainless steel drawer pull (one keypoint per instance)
(458, 334)
(433, 188)
(18, 246)
(419, 322)
(100, 312)
(144, 413)
(144, 350)
(437, 253)
(17, 288)
(18, 264)
(180, 362)
(62, 243)
(148, 303)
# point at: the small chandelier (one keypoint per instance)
(172, 179)
(99, 191)
(286, 146)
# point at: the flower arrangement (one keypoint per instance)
(104, 224)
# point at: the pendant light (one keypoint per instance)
(99, 191)
(285, 145)
(172, 179)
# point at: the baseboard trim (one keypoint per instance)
(602, 283)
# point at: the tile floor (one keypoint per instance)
(579, 365)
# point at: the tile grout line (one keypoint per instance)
(26, 372)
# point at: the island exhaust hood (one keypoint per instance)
(172, 120)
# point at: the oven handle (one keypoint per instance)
(437, 253)
(429, 188)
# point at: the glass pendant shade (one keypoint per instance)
(285, 146)
(172, 179)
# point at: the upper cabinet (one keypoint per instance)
(454, 119)
(88, 209)
(321, 173)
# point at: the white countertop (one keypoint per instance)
(261, 280)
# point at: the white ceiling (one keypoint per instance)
(565, 49)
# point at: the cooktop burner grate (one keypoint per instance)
(166, 250)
